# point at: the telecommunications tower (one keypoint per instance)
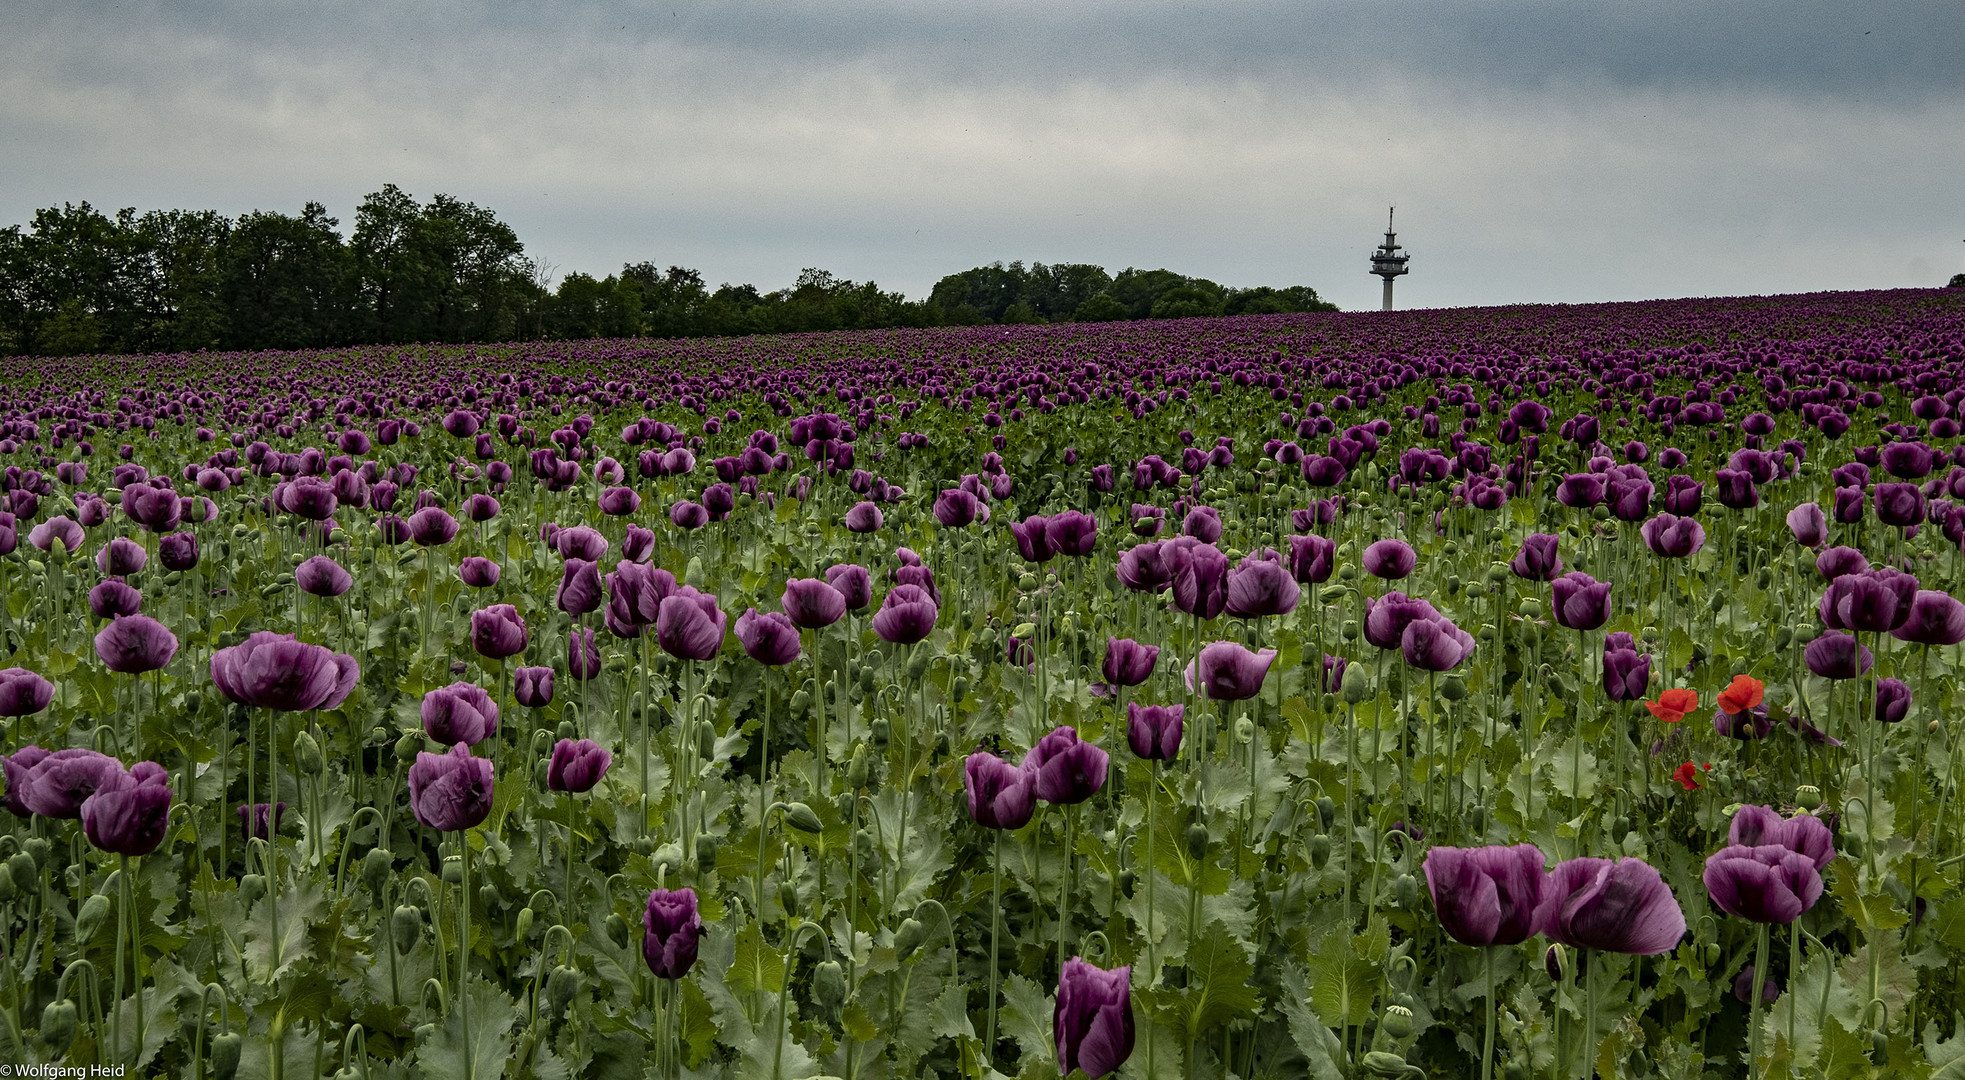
(1386, 262)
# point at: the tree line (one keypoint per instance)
(76, 280)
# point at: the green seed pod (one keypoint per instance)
(1197, 841)
(1347, 573)
(1405, 891)
(58, 1029)
(1808, 797)
(1319, 851)
(410, 745)
(909, 937)
(1397, 1022)
(1350, 630)
(1027, 581)
(788, 898)
(803, 818)
(251, 888)
(1497, 572)
(561, 984)
(453, 870)
(376, 866)
(1454, 689)
(881, 732)
(617, 930)
(829, 984)
(1357, 685)
(525, 923)
(706, 853)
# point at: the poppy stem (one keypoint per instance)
(995, 937)
(1753, 1003)
(1487, 1051)
(464, 951)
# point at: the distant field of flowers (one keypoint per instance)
(1521, 692)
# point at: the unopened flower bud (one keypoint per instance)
(561, 985)
(829, 984)
(410, 745)
(405, 926)
(1197, 841)
(58, 1027)
(617, 930)
(1556, 962)
(307, 755)
(376, 866)
(803, 818)
(87, 921)
(251, 888)
(909, 937)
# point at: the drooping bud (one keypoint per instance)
(405, 926)
(829, 984)
(87, 921)
(909, 937)
(803, 818)
(307, 755)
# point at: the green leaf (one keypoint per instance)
(1318, 1043)
(492, 1015)
(1342, 985)
(757, 968)
(1218, 974)
(1026, 1017)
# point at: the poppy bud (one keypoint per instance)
(1356, 684)
(87, 921)
(375, 870)
(909, 937)
(801, 702)
(829, 984)
(410, 745)
(1397, 1022)
(525, 923)
(307, 755)
(788, 898)
(7, 888)
(1326, 811)
(706, 853)
(1197, 841)
(917, 665)
(58, 1028)
(693, 573)
(858, 768)
(1620, 826)
(1389, 1065)
(1319, 851)
(1454, 689)
(542, 772)
(959, 689)
(1515, 1070)
(1405, 891)
(251, 888)
(617, 930)
(1477, 819)
(1712, 953)
(1556, 962)
(561, 985)
(803, 818)
(881, 731)
(1127, 879)
(489, 898)
(38, 848)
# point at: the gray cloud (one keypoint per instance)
(1538, 151)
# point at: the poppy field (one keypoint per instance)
(1522, 692)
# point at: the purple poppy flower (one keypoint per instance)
(1435, 644)
(1200, 578)
(532, 687)
(1672, 537)
(1809, 526)
(688, 515)
(921, 576)
(579, 542)
(638, 545)
(121, 557)
(1682, 493)
(1580, 602)
(853, 582)
(956, 508)
(1386, 618)
(56, 785)
(1746, 725)
(57, 530)
(619, 501)
(431, 526)
(576, 766)
(23, 692)
(1626, 674)
(1805, 834)
(690, 625)
(1148, 520)
(113, 598)
(1001, 795)
(497, 632)
(261, 821)
(671, 932)
(18, 765)
(1154, 731)
(322, 576)
(459, 713)
(1312, 558)
(128, 811)
(1770, 987)
(1145, 568)
(1622, 906)
(1093, 1020)
(813, 603)
(134, 644)
(1581, 491)
(1390, 559)
(1840, 561)
(1072, 533)
(1538, 559)
(1935, 619)
(1127, 662)
(478, 572)
(481, 507)
(1871, 601)
(907, 615)
(178, 551)
(863, 517)
(277, 671)
(1065, 769)
(1848, 504)
(582, 654)
(1032, 535)
(1898, 505)
(1203, 523)
(1259, 588)
(1227, 671)
(1768, 883)
(767, 637)
(450, 792)
(579, 591)
(1487, 895)
(1892, 700)
(1836, 655)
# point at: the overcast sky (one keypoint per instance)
(1537, 151)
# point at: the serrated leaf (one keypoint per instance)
(1318, 1044)
(441, 1054)
(756, 968)
(1026, 1017)
(1342, 985)
(1218, 974)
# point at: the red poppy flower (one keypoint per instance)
(1672, 705)
(1687, 775)
(1744, 693)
